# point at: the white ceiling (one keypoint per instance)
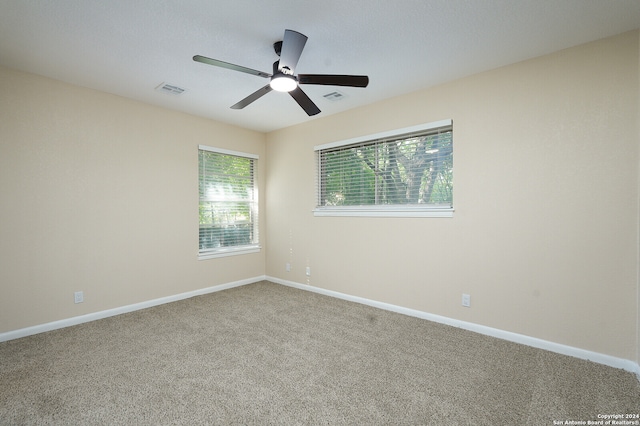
(129, 47)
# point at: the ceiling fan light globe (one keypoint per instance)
(283, 83)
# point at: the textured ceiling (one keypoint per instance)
(129, 47)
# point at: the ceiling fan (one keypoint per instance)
(284, 78)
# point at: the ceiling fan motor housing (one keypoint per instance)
(281, 80)
(277, 46)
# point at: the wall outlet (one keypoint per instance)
(308, 271)
(78, 297)
(287, 267)
(466, 300)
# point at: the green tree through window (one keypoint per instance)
(228, 202)
(412, 169)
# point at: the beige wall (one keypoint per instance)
(99, 194)
(545, 232)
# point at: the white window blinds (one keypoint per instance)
(228, 205)
(407, 170)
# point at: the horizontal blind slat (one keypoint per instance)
(413, 169)
(228, 201)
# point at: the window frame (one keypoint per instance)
(255, 247)
(379, 210)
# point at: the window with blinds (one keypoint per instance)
(228, 203)
(406, 172)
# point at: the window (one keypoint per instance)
(406, 172)
(228, 203)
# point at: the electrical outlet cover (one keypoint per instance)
(466, 300)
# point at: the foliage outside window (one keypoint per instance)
(228, 206)
(408, 172)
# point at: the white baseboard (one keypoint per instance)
(609, 360)
(28, 331)
(599, 358)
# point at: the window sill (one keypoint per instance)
(380, 211)
(229, 251)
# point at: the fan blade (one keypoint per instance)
(227, 65)
(334, 80)
(303, 100)
(292, 46)
(252, 97)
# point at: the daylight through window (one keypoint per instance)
(228, 203)
(408, 172)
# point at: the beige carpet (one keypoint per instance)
(269, 354)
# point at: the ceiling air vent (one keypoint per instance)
(171, 89)
(335, 96)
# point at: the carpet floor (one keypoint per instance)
(270, 354)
